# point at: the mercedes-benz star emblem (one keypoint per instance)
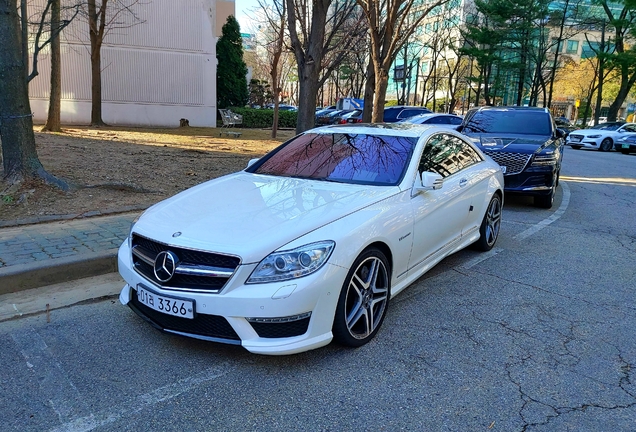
(165, 265)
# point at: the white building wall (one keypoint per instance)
(154, 72)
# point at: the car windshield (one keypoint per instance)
(525, 122)
(340, 157)
(608, 126)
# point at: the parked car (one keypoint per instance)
(396, 113)
(626, 144)
(601, 137)
(600, 120)
(313, 240)
(525, 142)
(450, 120)
(564, 124)
(328, 118)
(344, 118)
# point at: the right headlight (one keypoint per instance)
(292, 264)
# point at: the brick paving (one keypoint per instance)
(25, 244)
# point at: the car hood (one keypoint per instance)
(511, 142)
(251, 215)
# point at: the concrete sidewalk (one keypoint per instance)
(44, 254)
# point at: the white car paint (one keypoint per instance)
(252, 215)
(592, 138)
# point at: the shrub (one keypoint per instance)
(263, 118)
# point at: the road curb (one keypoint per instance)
(42, 273)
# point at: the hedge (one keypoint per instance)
(263, 118)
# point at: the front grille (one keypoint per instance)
(281, 330)
(211, 326)
(514, 162)
(145, 251)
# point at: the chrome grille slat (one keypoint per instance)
(514, 162)
(195, 271)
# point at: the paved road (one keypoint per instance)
(537, 335)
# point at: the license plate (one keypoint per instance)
(625, 146)
(575, 139)
(174, 306)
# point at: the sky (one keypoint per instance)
(244, 13)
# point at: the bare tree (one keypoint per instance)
(316, 31)
(103, 17)
(391, 24)
(275, 17)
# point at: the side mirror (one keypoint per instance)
(428, 181)
(560, 133)
(252, 162)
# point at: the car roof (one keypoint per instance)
(511, 108)
(398, 129)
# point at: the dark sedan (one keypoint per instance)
(626, 145)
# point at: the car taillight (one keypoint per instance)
(358, 120)
(342, 121)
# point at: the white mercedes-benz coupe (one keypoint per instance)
(311, 241)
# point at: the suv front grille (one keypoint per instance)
(514, 162)
(195, 270)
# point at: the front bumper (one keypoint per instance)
(620, 147)
(584, 142)
(259, 317)
(532, 181)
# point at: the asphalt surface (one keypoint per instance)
(536, 335)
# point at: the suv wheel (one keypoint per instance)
(544, 201)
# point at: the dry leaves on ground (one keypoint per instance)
(114, 167)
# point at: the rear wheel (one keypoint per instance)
(489, 229)
(363, 300)
(606, 145)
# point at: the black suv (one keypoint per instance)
(525, 142)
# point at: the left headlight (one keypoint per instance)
(544, 160)
(292, 264)
(594, 136)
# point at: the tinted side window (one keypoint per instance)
(390, 114)
(437, 120)
(409, 113)
(455, 120)
(629, 128)
(446, 154)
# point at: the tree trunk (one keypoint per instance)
(381, 84)
(55, 96)
(96, 30)
(308, 90)
(19, 157)
(367, 110)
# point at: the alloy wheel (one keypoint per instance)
(366, 298)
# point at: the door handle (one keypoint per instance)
(463, 182)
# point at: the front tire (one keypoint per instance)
(363, 300)
(490, 225)
(606, 145)
(545, 201)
